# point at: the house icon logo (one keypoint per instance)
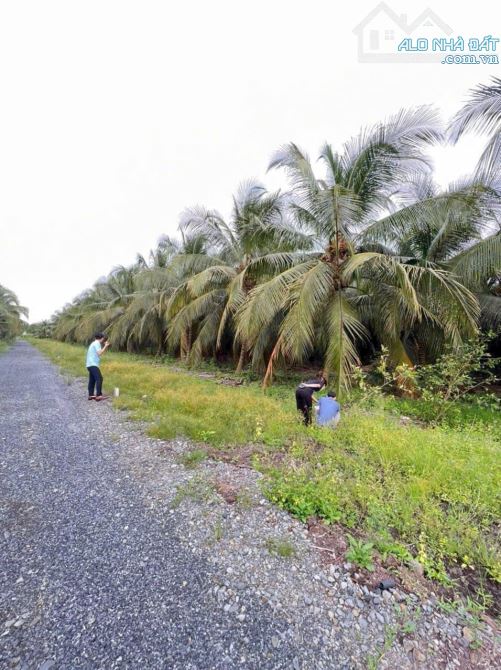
(382, 30)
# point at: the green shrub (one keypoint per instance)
(360, 553)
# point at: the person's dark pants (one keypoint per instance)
(304, 404)
(95, 380)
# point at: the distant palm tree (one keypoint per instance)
(11, 313)
(97, 309)
(479, 264)
(130, 303)
(144, 320)
(42, 329)
(328, 302)
(258, 241)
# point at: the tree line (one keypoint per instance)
(370, 253)
(11, 314)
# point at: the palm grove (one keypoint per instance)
(11, 314)
(371, 253)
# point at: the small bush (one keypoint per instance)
(360, 553)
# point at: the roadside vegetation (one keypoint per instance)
(424, 488)
(11, 316)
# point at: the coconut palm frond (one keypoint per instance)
(236, 295)
(272, 264)
(307, 297)
(210, 225)
(266, 300)
(207, 335)
(481, 113)
(490, 311)
(344, 331)
(481, 261)
(194, 310)
(216, 276)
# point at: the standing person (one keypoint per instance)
(328, 410)
(304, 396)
(94, 353)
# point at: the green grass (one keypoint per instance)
(197, 489)
(191, 459)
(3, 346)
(429, 492)
(280, 547)
(485, 410)
(412, 490)
(218, 530)
(180, 404)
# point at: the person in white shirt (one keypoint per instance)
(96, 349)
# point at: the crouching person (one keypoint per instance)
(328, 411)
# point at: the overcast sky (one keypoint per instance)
(115, 115)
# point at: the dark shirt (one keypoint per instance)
(309, 387)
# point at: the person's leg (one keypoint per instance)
(307, 413)
(99, 383)
(92, 383)
(302, 406)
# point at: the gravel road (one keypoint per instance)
(99, 569)
(99, 580)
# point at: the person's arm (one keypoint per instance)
(101, 351)
(317, 387)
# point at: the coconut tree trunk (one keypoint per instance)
(185, 344)
(241, 360)
(269, 368)
(161, 339)
(182, 346)
(161, 347)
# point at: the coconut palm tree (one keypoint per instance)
(11, 313)
(257, 242)
(42, 329)
(130, 303)
(328, 302)
(97, 309)
(479, 263)
(444, 229)
(143, 323)
(482, 114)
